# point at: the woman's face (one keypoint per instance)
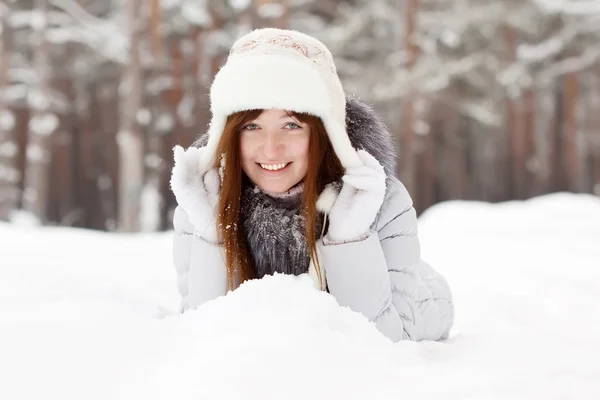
(274, 149)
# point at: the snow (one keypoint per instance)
(23, 18)
(38, 99)
(94, 315)
(165, 122)
(15, 92)
(570, 7)
(150, 208)
(541, 51)
(160, 84)
(153, 161)
(44, 124)
(196, 13)
(104, 182)
(576, 63)
(8, 174)
(143, 116)
(169, 4)
(185, 110)
(451, 38)
(240, 4)
(38, 20)
(270, 10)
(36, 153)
(8, 149)
(62, 35)
(30, 195)
(7, 120)
(22, 218)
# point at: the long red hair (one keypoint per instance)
(324, 167)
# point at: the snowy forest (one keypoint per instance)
(487, 100)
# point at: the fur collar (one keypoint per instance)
(274, 229)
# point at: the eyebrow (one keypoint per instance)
(285, 116)
(290, 116)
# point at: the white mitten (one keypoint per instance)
(196, 191)
(359, 201)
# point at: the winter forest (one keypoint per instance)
(494, 110)
(487, 100)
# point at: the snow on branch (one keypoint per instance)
(570, 7)
(483, 113)
(588, 58)
(102, 35)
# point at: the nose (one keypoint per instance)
(272, 145)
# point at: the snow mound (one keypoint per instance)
(276, 338)
(89, 315)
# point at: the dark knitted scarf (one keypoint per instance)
(275, 231)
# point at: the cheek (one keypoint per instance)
(245, 153)
(246, 148)
(301, 147)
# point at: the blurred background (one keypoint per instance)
(488, 100)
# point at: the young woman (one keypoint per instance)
(294, 177)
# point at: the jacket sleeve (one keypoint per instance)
(384, 278)
(200, 266)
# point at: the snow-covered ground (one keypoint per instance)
(87, 315)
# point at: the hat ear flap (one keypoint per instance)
(215, 131)
(340, 141)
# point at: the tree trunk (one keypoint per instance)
(409, 119)
(42, 123)
(557, 181)
(570, 132)
(199, 91)
(130, 137)
(62, 182)
(172, 101)
(157, 47)
(595, 137)
(83, 143)
(520, 130)
(107, 116)
(425, 161)
(9, 174)
(590, 131)
(456, 175)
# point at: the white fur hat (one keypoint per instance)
(282, 69)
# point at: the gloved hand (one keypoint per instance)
(358, 202)
(196, 191)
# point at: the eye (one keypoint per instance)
(251, 127)
(292, 125)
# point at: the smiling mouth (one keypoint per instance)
(273, 167)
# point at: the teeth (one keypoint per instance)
(273, 167)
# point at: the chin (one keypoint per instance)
(271, 182)
(275, 188)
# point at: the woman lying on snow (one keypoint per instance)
(276, 186)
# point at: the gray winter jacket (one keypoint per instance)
(382, 276)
